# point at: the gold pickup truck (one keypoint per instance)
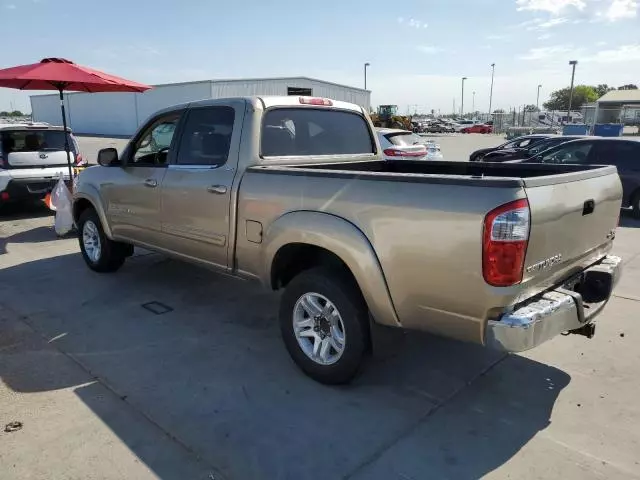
(293, 192)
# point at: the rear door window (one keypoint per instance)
(206, 137)
(314, 132)
(624, 155)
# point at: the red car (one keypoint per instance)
(479, 128)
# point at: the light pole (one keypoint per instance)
(538, 98)
(473, 102)
(462, 102)
(493, 70)
(365, 74)
(573, 64)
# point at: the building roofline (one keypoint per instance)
(222, 80)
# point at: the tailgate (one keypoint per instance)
(41, 158)
(573, 221)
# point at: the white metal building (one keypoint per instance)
(618, 106)
(121, 113)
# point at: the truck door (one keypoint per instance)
(196, 189)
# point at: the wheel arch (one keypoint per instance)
(81, 202)
(301, 240)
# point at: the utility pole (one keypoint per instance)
(573, 64)
(538, 98)
(365, 74)
(493, 71)
(473, 103)
(462, 100)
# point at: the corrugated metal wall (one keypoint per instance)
(120, 114)
(278, 86)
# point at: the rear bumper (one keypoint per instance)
(563, 309)
(19, 189)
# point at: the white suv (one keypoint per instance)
(32, 156)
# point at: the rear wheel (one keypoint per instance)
(324, 324)
(99, 252)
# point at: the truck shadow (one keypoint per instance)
(212, 373)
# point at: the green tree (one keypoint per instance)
(629, 86)
(16, 113)
(4, 114)
(531, 108)
(582, 94)
(498, 110)
(602, 89)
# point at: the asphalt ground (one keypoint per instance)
(103, 388)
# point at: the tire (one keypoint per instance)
(348, 329)
(110, 255)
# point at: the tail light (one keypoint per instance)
(504, 245)
(391, 152)
(316, 101)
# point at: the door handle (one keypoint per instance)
(151, 183)
(217, 189)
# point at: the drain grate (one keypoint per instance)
(157, 308)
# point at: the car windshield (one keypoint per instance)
(33, 141)
(404, 139)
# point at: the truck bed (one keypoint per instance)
(478, 174)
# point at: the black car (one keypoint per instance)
(529, 150)
(623, 153)
(520, 142)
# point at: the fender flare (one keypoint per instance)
(344, 240)
(89, 194)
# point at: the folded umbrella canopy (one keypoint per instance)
(63, 75)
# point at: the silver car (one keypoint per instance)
(405, 145)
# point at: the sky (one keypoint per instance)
(418, 49)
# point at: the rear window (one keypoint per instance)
(311, 131)
(34, 141)
(404, 139)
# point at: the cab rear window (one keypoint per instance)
(311, 132)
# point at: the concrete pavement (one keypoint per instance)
(107, 389)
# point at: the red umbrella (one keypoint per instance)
(60, 74)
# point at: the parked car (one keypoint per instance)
(520, 142)
(462, 124)
(294, 192)
(478, 128)
(405, 145)
(439, 127)
(32, 157)
(622, 153)
(529, 150)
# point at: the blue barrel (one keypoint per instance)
(575, 129)
(608, 129)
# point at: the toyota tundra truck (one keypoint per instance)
(294, 192)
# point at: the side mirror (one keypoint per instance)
(108, 157)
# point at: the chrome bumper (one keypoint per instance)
(554, 312)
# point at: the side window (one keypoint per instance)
(206, 138)
(523, 143)
(625, 155)
(152, 147)
(569, 153)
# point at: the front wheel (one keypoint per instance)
(99, 252)
(324, 325)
